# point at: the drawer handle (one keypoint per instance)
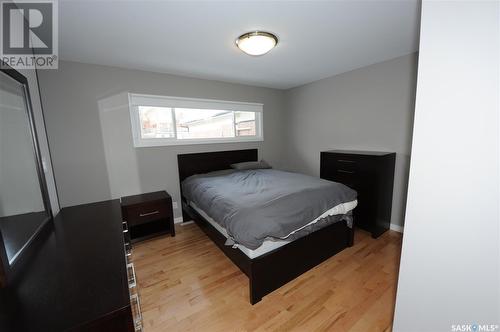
(131, 278)
(149, 213)
(346, 161)
(125, 226)
(136, 304)
(344, 171)
(128, 249)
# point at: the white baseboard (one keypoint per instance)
(180, 221)
(396, 228)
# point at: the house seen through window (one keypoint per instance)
(154, 123)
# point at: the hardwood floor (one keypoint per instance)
(187, 284)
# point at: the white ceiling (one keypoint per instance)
(317, 39)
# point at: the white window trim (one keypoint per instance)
(136, 100)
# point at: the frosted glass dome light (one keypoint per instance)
(257, 42)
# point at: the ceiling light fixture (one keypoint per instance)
(256, 42)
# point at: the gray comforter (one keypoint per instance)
(254, 205)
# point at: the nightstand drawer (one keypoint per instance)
(347, 177)
(345, 165)
(139, 214)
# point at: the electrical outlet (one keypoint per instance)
(174, 205)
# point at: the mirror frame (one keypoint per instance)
(8, 268)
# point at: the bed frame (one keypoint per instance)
(272, 270)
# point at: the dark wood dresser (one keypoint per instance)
(79, 278)
(148, 215)
(371, 174)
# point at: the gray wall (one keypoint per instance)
(77, 99)
(89, 126)
(370, 108)
(450, 263)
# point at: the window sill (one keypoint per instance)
(152, 143)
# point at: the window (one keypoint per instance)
(158, 120)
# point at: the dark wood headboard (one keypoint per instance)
(199, 163)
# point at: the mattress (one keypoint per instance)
(270, 245)
(258, 204)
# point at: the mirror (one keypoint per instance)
(24, 206)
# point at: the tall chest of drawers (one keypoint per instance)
(371, 174)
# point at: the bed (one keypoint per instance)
(288, 250)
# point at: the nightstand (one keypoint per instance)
(148, 215)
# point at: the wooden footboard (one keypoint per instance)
(274, 269)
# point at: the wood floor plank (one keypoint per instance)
(187, 284)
